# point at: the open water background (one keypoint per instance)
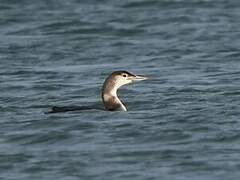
(181, 124)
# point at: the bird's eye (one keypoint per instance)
(124, 75)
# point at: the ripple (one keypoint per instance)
(181, 123)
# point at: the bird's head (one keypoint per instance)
(123, 77)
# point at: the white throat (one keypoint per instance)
(110, 86)
(112, 97)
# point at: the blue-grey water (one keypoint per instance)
(183, 123)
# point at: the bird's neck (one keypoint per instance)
(110, 97)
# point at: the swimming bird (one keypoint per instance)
(110, 87)
(113, 82)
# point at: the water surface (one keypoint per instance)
(181, 124)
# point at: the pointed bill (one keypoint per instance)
(139, 78)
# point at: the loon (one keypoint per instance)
(113, 82)
(109, 92)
